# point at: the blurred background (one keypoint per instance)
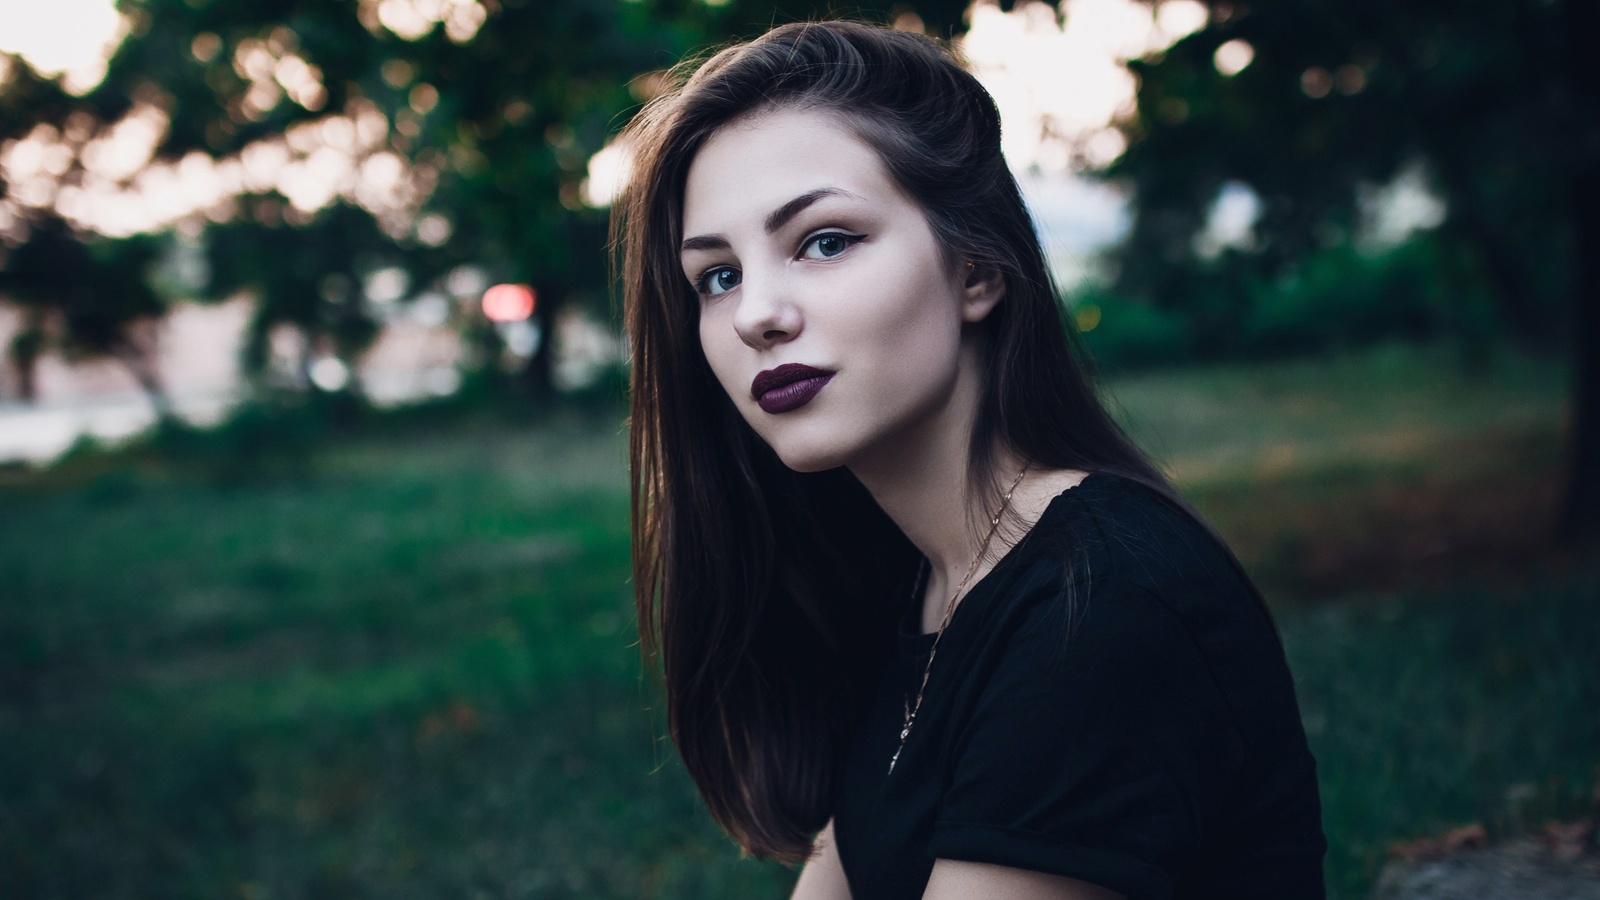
(313, 486)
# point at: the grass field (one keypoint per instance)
(406, 668)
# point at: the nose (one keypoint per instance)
(766, 315)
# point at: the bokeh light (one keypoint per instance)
(1233, 57)
(508, 302)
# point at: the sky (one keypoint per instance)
(69, 36)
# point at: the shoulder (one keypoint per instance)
(1145, 536)
(1119, 588)
(1116, 596)
(1161, 620)
(1113, 546)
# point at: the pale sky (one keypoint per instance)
(71, 36)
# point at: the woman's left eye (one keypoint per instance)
(828, 244)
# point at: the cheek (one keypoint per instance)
(713, 345)
(922, 317)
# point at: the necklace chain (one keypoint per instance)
(949, 610)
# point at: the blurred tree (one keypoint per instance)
(1312, 103)
(84, 294)
(96, 294)
(314, 273)
(474, 118)
(463, 127)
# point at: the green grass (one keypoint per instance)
(407, 668)
(410, 674)
(1376, 410)
(1426, 714)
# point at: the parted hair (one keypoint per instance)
(766, 596)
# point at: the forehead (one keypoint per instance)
(755, 164)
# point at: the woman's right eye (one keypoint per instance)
(716, 281)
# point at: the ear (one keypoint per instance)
(982, 290)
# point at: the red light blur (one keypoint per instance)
(508, 302)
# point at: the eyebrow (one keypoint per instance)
(775, 220)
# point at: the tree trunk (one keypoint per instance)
(537, 377)
(24, 352)
(27, 380)
(143, 367)
(1580, 512)
(27, 368)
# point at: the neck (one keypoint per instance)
(920, 480)
(926, 493)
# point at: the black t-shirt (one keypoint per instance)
(1140, 733)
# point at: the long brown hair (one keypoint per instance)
(766, 595)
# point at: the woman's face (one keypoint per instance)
(828, 311)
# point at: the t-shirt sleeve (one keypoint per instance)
(1102, 758)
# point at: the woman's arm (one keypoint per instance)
(823, 876)
(954, 879)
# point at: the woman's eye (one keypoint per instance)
(718, 281)
(828, 244)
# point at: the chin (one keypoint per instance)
(807, 452)
(809, 460)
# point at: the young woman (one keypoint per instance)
(926, 618)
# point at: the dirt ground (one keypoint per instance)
(1533, 868)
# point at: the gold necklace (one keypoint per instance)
(949, 609)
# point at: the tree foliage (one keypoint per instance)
(1339, 98)
(1492, 99)
(487, 111)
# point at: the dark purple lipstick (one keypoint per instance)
(789, 386)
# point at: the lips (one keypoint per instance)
(789, 386)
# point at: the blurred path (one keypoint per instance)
(41, 432)
(38, 433)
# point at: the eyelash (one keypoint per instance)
(850, 240)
